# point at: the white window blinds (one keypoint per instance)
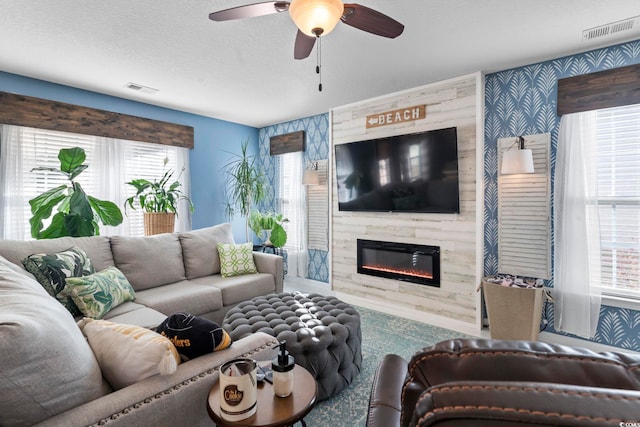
(318, 210)
(291, 203)
(111, 162)
(618, 174)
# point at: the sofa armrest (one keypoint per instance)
(510, 403)
(386, 392)
(166, 400)
(272, 264)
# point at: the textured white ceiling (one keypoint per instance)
(243, 71)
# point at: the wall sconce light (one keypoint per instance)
(310, 176)
(517, 159)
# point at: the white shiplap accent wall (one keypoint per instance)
(524, 213)
(456, 102)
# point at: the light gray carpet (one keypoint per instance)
(381, 334)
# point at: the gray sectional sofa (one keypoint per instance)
(169, 272)
(50, 375)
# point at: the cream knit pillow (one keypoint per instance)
(127, 353)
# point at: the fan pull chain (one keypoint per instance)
(319, 63)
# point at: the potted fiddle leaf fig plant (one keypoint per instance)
(78, 213)
(159, 201)
(244, 186)
(268, 227)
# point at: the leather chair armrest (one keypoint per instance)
(475, 403)
(385, 404)
(522, 361)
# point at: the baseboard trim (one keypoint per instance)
(418, 316)
(577, 342)
(469, 329)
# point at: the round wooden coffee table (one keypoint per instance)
(272, 411)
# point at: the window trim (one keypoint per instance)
(611, 300)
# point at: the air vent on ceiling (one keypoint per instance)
(140, 88)
(624, 28)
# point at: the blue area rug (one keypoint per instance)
(381, 334)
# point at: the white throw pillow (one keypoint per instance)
(127, 353)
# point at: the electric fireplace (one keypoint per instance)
(400, 261)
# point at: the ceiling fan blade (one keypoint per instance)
(371, 21)
(250, 10)
(304, 45)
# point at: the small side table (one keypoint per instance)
(273, 411)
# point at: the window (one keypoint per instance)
(618, 183)
(291, 204)
(111, 162)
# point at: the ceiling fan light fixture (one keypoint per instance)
(316, 17)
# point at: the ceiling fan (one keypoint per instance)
(315, 18)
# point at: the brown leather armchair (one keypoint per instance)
(477, 382)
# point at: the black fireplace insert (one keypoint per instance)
(400, 261)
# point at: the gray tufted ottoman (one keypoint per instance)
(322, 334)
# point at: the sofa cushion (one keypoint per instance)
(51, 270)
(239, 288)
(131, 313)
(98, 293)
(128, 353)
(149, 261)
(97, 248)
(47, 366)
(200, 249)
(236, 260)
(186, 296)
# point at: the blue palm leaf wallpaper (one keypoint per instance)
(316, 129)
(523, 101)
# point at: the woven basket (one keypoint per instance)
(158, 222)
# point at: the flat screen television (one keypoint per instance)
(405, 173)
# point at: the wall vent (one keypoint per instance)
(618, 29)
(140, 88)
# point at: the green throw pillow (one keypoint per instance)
(98, 293)
(236, 260)
(51, 270)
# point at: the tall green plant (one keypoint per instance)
(244, 185)
(78, 213)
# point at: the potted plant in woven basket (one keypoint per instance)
(159, 201)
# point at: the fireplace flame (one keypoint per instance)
(401, 271)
